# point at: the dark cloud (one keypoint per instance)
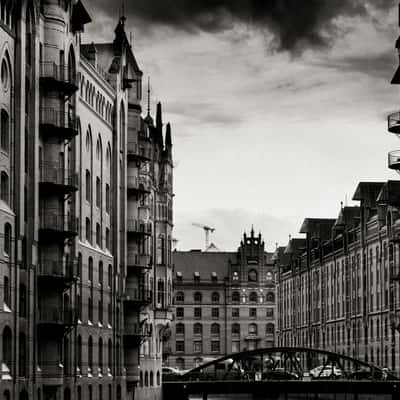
(294, 24)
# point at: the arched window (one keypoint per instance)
(215, 329)
(4, 187)
(22, 355)
(180, 329)
(151, 378)
(215, 297)
(88, 183)
(160, 293)
(88, 229)
(7, 239)
(90, 270)
(22, 300)
(90, 354)
(6, 289)
(252, 329)
(270, 297)
(79, 352)
(180, 297)
(235, 297)
(98, 235)
(141, 379)
(109, 354)
(7, 346)
(5, 120)
(253, 297)
(100, 355)
(98, 192)
(197, 329)
(235, 329)
(252, 275)
(198, 297)
(269, 328)
(158, 378)
(146, 379)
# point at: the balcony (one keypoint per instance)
(141, 152)
(54, 224)
(52, 371)
(395, 320)
(61, 124)
(54, 178)
(58, 77)
(136, 260)
(138, 227)
(394, 160)
(53, 271)
(138, 184)
(394, 269)
(394, 123)
(55, 320)
(139, 296)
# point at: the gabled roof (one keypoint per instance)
(318, 227)
(348, 217)
(368, 192)
(295, 246)
(390, 194)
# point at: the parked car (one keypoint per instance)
(366, 374)
(325, 371)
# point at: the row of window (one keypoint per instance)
(215, 329)
(253, 297)
(197, 312)
(99, 237)
(147, 379)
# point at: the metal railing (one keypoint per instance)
(142, 150)
(58, 222)
(138, 259)
(394, 159)
(61, 73)
(138, 226)
(140, 295)
(134, 182)
(56, 315)
(60, 119)
(394, 122)
(57, 268)
(52, 172)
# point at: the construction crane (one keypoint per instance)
(207, 230)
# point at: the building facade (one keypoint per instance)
(337, 287)
(85, 212)
(224, 302)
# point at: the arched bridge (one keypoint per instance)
(285, 373)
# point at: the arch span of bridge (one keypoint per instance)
(285, 372)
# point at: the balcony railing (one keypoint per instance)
(52, 173)
(56, 222)
(57, 269)
(139, 150)
(394, 123)
(138, 183)
(56, 119)
(56, 315)
(138, 227)
(138, 295)
(62, 74)
(138, 260)
(394, 160)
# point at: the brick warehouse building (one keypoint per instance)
(85, 212)
(337, 287)
(224, 303)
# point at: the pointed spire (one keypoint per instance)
(159, 117)
(252, 231)
(168, 139)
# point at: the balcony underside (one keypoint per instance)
(61, 132)
(65, 87)
(58, 188)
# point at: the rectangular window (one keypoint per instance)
(109, 311)
(108, 244)
(197, 312)
(90, 309)
(253, 312)
(235, 313)
(88, 230)
(100, 311)
(180, 346)
(179, 312)
(236, 346)
(88, 186)
(270, 313)
(215, 346)
(197, 346)
(215, 313)
(98, 235)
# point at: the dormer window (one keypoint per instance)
(197, 277)
(179, 276)
(252, 275)
(214, 277)
(235, 276)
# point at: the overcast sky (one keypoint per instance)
(277, 110)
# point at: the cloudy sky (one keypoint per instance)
(278, 107)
